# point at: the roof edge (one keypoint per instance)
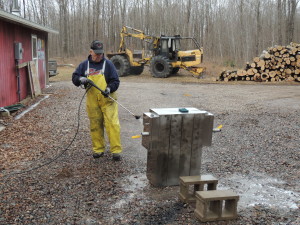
(27, 23)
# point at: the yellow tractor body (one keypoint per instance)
(165, 58)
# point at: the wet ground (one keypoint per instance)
(256, 155)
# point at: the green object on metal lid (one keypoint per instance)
(183, 110)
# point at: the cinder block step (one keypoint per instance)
(216, 205)
(198, 183)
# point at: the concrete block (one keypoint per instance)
(216, 205)
(2, 128)
(4, 114)
(199, 183)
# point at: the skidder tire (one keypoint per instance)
(136, 70)
(175, 70)
(160, 66)
(122, 65)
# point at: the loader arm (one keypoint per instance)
(138, 34)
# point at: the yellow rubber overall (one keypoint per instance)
(103, 112)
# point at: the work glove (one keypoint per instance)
(83, 80)
(106, 92)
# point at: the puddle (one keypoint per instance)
(133, 185)
(253, 189)
(136, 182)
(261, 189)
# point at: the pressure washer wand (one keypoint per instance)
(94, 85)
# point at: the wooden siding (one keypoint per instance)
(9, 34)
(8, 79)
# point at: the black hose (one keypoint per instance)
(61, 153)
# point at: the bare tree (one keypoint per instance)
(292, 5)
(279, 21)
(229, 30)
(63, 23)
(258, 27)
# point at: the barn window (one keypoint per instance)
(34, 46)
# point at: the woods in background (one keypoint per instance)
(230, 31)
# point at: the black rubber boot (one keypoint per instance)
(116, 157)
(98, 155)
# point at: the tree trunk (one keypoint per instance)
(292, 5)
(258, 28)
(279, 22)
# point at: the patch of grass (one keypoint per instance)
(229, 63)
(65, 74)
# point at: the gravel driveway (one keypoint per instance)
(256, 155)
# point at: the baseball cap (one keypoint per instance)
(97, 47)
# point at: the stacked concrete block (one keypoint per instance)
(174, 139)
(211, 204)
(216, 205)
(199, 183)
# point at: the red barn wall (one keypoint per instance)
(9, 34)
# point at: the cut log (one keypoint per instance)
(288, 71)
(261, 63)
(256, 59)
(240, 72)
(264, 76)
(250, 72)
(272, 73)
(257, 77)
(267, 55)
(283, 51)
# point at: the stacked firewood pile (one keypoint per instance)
(278, 63)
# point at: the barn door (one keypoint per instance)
(34, 66)
(35, 53)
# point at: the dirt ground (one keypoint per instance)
(256, 155)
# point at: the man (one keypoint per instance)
(102, 111)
